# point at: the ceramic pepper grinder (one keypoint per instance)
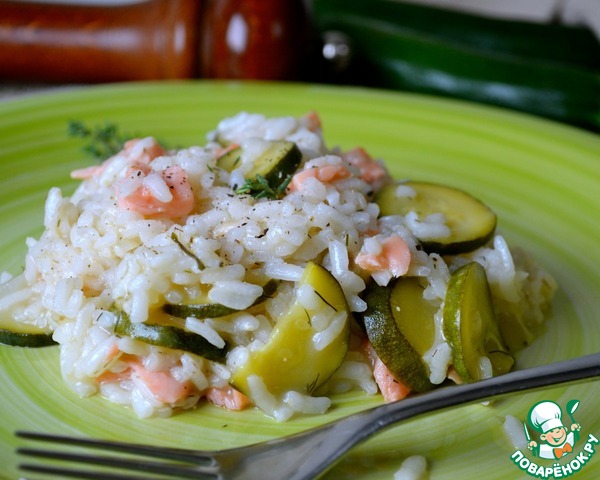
(254, 39)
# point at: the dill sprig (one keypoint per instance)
(103, 140)
(259, 187)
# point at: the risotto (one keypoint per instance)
(265, 269)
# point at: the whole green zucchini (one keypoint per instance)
(386, 56)
(554, 43)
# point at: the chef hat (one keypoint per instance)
(545, 416)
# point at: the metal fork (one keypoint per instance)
(305, 455)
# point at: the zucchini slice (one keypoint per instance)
(271, 170)
(399, 324)
(19, 334)
(169, 336)
(413, 314)
(472, 223)
(203, 308)
(279, 161)
(293, 358)
(231, 159)
(197, 310)
(470, 325)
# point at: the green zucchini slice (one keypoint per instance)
(293, 357)
(279, 161)
(19, 334)
(470, 326)
(399, 324)
(169, 336)
(203, 308)
(272, 169)
(231, 159)
(472, 223)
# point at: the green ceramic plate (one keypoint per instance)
(540, 177)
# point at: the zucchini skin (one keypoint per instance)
(214, 310)
(575, 46)
(26, 340)
(169, 337)
(389, 57)
(391, 346)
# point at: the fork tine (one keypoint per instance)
(196, 456)
(199, 464)
(173, 469)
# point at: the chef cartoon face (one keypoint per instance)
(555, 437)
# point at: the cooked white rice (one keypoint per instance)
(515, 433)
(413, 468)
(95, 254)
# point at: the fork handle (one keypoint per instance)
(348, 432)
